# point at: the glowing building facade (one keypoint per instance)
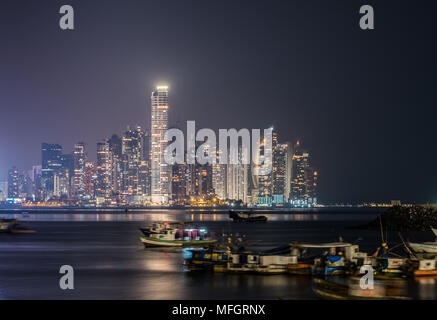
(160, 170)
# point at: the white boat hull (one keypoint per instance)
(427, 247)
(150, 242)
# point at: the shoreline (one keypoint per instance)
(73, 210)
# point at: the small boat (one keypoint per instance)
(13, 226)
(169, 235)
(6, 225)
(241, 216)
(200, 259)
(337, 258)
(387, 267)
(251, 262)
(425, 247)
(422, 267)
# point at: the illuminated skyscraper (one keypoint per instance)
(133, 156)
(281, 172)
(179, 184)
(104, 170)
(89, 179)
(237, 179)
(304, 182)
(115, 147)
(3, 190)
(160, 170)
(262, 187)
(51, 162)
(79, 170)
(13, 183)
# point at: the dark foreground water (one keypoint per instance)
(110, 262)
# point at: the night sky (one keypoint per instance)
(363, 103)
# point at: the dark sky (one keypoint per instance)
(362, 102)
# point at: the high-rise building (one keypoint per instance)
(103, 188)
(3, 191)
(89, 179)
(25, 186)
(79, 170)
(219, 180)
(160, 170)
(51, 156)
(13, 183)
(304, 182)
(115, 146)
(261, 193)
(144, 179)
(61, 189)
(281, 172)
(237, 179)
(67, 161)
(133, 156)
(311, 177)
(178, 184)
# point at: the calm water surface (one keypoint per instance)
(111, 263)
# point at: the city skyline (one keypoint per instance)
(132, 169)
(356, 99)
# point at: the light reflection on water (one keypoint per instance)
(177, 215)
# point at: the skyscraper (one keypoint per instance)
(132, 155)
(89, 179)
(281, 171)
(104, 170)
(237, 179)
(13, 183)
(79, 170)
(160, 170)
(304, 182)
(51, 162)
(3, 190)
(261, 193)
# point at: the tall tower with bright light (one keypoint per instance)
(160, 170)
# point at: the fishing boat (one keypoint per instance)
(388, 266)
(170, 235)
(251, 262)
(337, 258)
(422, 267)
(206, 259)
(242, 216)
(425, 247)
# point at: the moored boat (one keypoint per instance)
(241, 216)
(424, 247)
(169, 235)
(337, 258)
(251, 262)
(206, 259)
(422, 267)
(13, 226)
